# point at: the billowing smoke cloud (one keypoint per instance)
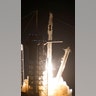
(55, 88)
(62, 89)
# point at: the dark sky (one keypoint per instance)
(63, 29)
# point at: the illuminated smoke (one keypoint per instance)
(55, 86)
(62, 89)
(52, 88)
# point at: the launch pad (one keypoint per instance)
(40, 80)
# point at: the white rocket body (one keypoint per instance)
(49, 44)
(49, 52)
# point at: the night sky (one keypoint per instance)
(63, 29)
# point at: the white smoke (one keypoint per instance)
(56, 88)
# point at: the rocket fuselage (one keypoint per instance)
(49, 44)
